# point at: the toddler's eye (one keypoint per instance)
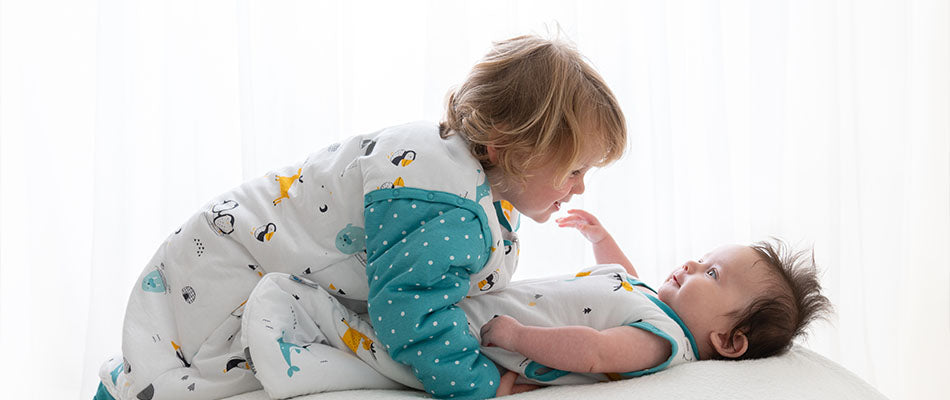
(713, 273)
(575, 172)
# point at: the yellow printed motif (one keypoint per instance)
(402, 158)
(622, 283)
(486, 284)
(352, 338)
(507, 208)
(394, 184)
(285, 183)
(180, 354)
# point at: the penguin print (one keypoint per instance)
(223, 222)
(486, 284)
(285, 183)
(367, 145)
(394, 184)
(265, 232)
(402, 158)
(236, 362)
(180, 354)
(257, 269)
(537, 296)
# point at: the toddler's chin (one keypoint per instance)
(542, 217)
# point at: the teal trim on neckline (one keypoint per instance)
(635, 282)
(672, 314)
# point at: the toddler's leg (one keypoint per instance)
(182, 324)
(302, 340)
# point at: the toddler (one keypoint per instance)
(378, 219)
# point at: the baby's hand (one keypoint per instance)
(584, 222)
(501, 331)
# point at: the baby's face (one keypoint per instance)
(704, 291)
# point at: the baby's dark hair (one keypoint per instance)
(792, 301)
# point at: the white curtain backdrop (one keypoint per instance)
(824, 122)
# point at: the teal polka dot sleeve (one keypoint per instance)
(421, 248)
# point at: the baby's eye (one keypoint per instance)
(713, 273)
(575, 172)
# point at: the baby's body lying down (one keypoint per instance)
(601, 324)
(287, 312)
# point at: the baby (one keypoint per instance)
(736, 302)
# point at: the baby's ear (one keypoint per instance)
(733, 346)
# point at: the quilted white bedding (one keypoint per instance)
(798, 374)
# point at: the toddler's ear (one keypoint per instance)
(729, 347)
(492, 154)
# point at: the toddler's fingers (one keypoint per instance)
(572, 224)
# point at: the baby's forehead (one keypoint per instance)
(733, 254)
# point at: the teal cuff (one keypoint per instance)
(102, 393)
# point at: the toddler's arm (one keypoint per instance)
(606, 250)
(579, 348)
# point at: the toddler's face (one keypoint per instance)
(704, 291)
(539, 198)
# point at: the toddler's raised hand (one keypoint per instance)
(584, 222)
